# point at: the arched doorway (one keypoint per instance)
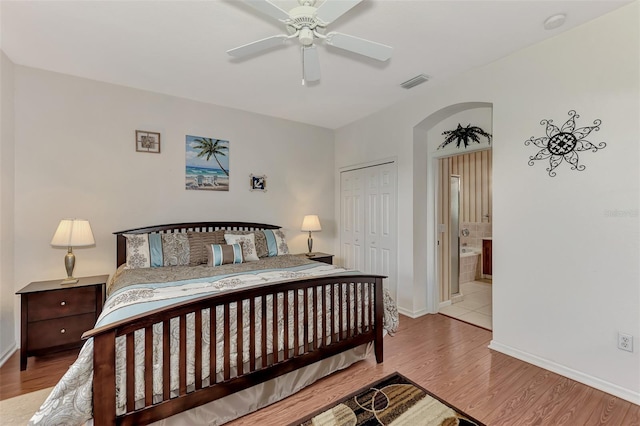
(425, 192)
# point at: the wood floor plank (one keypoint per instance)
(523, 399)
(633, 416)
(609, 411)
(502, 384)
(42, 372)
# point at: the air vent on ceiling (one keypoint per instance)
(413, 82)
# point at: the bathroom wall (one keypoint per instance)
(477, 231)
(475, 170)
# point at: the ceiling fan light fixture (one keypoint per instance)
(306, 36)
(413, 82)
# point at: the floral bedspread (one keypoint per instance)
(70, 402)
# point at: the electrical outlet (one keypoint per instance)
(625, 342)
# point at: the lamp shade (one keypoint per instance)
(73, 233)
(311, 223)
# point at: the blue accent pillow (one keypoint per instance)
(221, 254)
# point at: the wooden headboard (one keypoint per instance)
(121, 244)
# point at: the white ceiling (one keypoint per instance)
(178, 48)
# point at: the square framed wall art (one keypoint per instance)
(258, 183)
(147, 141)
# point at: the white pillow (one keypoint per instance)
(138, 253)
(248, 243)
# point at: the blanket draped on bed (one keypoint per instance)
(70, 402)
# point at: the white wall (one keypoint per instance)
(75, 157)
(573, 282)
(7, 179)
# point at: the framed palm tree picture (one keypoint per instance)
(207, 161)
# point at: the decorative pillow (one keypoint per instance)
(276, 242)
(198, 242)
(248, 245)
(222, 254)
(144, 250)
(260, 240)
(175, 249)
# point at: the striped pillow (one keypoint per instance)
(221, 254)
(276, 242)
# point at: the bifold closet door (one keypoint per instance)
(368, 228)
(352, 220)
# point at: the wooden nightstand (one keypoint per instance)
(319, 257)
(54, 316)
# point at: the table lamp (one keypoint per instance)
(72, 233)
(311, 223)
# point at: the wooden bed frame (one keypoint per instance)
(300, 354)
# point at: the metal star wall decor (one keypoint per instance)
(563, 144)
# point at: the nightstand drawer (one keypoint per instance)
(61, 303)
(60, 331)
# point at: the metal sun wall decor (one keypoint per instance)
(464, 135)
(564, 143)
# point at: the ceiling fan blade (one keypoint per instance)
(258, 46)
(360, 46)
(268, 8)
(331, 10)
(310, 64)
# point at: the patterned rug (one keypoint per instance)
(393, 401)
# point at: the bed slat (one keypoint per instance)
(131, 366)
(263, 334)
(227, 343)
(148, 365)
(213, 343)
(274, 334)
(252, 334)
(198, 349)
(182, 368)
(285, 315)
(166, 360)
(239, 338)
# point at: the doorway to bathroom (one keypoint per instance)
(464, 217)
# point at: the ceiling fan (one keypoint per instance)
(307, 23)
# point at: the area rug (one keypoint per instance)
(391, 401)
(18, 410)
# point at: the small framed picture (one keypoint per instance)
(258, 183)
(147, 141)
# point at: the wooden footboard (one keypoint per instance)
(340, 313)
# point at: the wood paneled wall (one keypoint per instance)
(474, 170)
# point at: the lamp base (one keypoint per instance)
(309, 254)
(69, 280)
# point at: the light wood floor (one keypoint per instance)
(446, 356)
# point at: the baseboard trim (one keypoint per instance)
(7, 354)
(603, 385)
(412, 314)
(444, 304)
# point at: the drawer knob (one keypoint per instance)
(63, 303)
(63, 331)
